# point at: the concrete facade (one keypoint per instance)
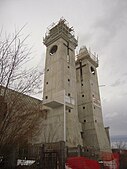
(60, 84)
(89, 104)
(71, 93)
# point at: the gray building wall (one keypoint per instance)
(60, 85)
(89, 104)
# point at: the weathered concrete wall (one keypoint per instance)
(89, 104)
(60, 86)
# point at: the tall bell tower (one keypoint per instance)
(89, 104)
(59, 92)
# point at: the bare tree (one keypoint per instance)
(14, 54)
(120, 145)
(18, 112)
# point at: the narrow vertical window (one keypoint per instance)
(92, 70)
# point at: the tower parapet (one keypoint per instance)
(84, 53)
(58, 30)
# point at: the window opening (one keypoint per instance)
(53, 50)
(68, 81)
(82, 134)
(80, 63)
(92, 70)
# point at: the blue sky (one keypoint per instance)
(99, 24)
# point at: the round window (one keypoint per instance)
(53, 49)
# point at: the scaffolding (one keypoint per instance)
(59, 29)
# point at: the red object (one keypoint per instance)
(82, 163)
(110, 161)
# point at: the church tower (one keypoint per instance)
(59, 92)
(89, 105)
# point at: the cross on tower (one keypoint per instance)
(68, 48)
(80, 67)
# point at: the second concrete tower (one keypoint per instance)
(89, 104)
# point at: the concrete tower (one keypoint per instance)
(60, 84)
(89, 105)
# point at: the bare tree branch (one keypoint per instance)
(22, 111)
